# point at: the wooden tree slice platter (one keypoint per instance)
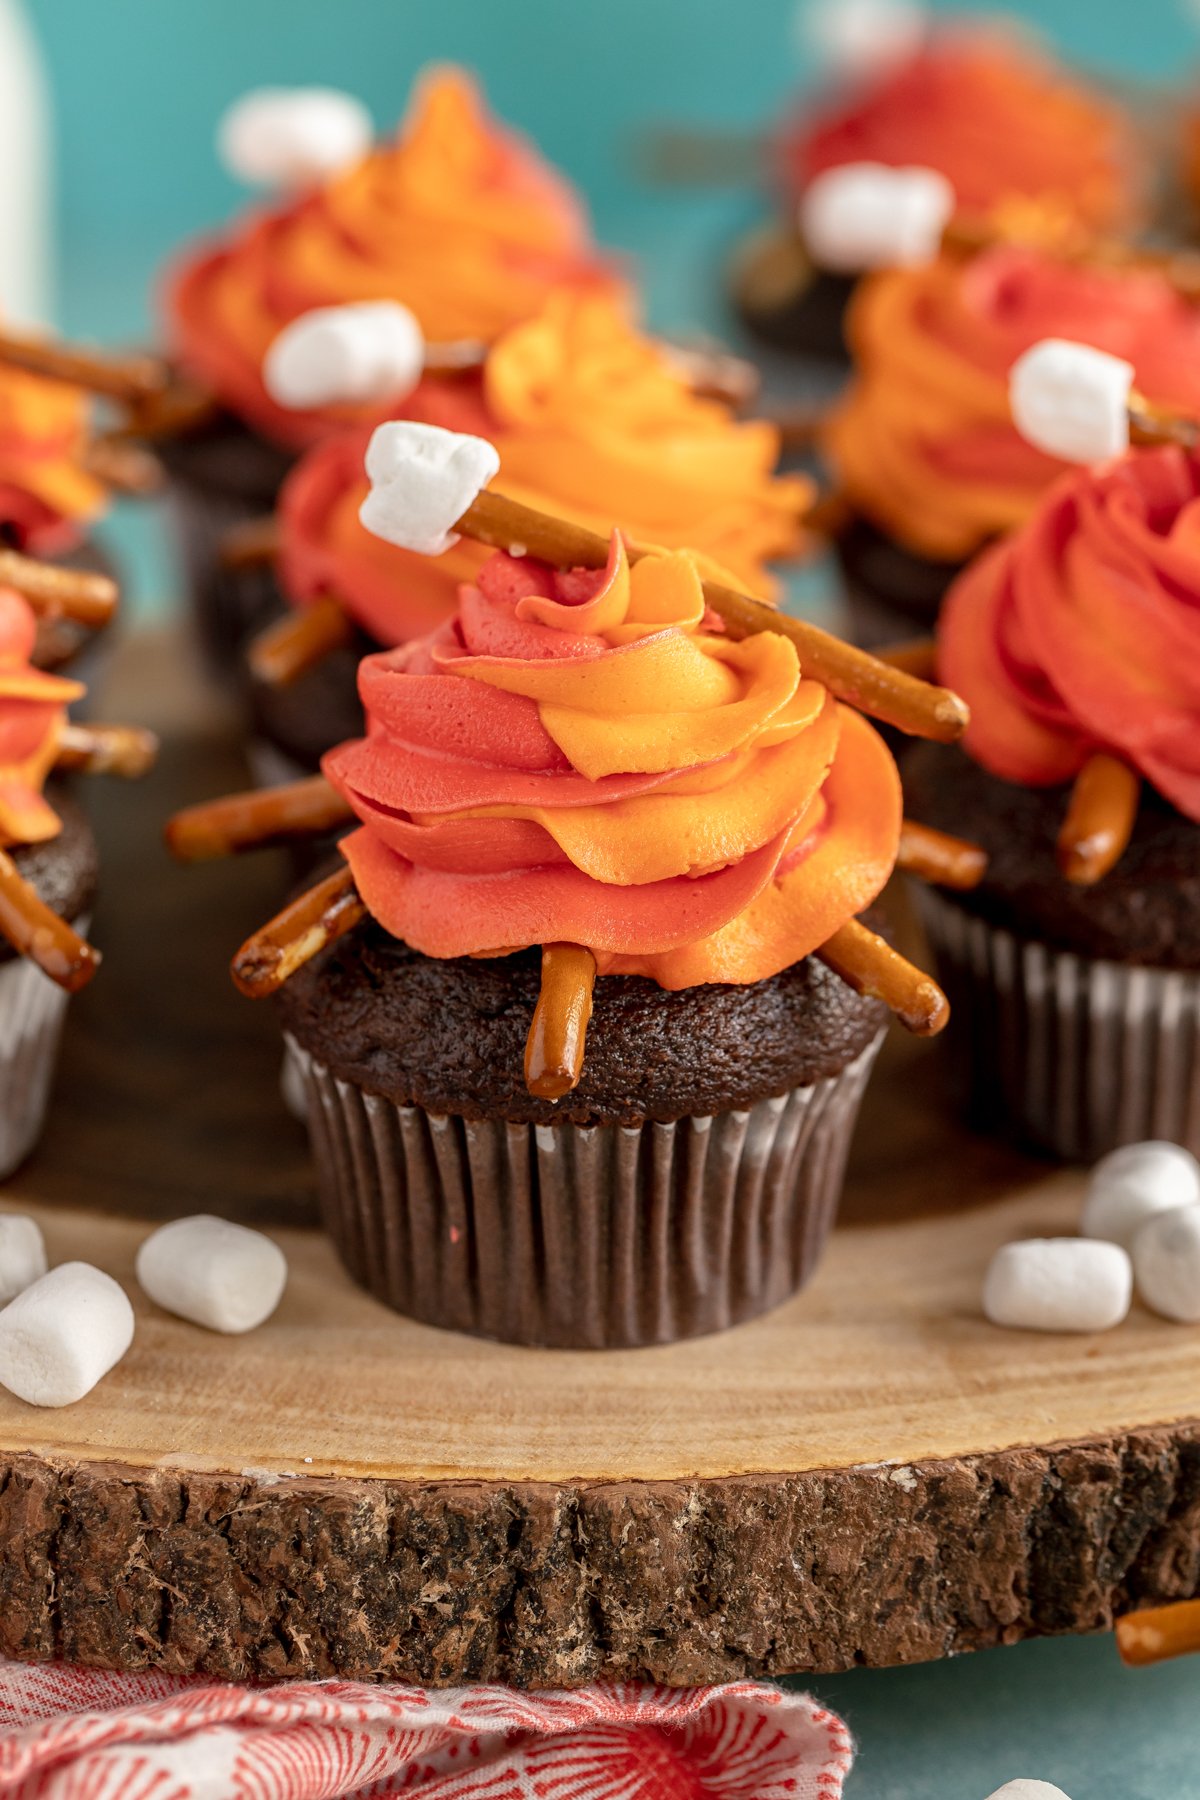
(871, 1475)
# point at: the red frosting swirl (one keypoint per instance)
(1081, 632)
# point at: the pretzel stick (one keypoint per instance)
(295, 935)
(1100, 820)
(124, 466)
(1153, 424)
(937, 857)
(1159, 1632)
(178, 409)
(870, 966)
(852, 675)
(283, 652)
(247, 821)
(35, 931)
(558, 1033)
(250, 544)
(715, 374)
(916, 656)
(800, 428)
(131, 378)
(124, 750)
(80, 594)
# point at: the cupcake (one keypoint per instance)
(594, 422)
(457, 218)
(981, 105)
(922, 446)
(47, 869)
(1076, 643)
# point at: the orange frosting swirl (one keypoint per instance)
(1081, 632)
(588, 758)
(47, 499)
(32, 714)
(593, 423)
(924, 445)
(994, 115)
(458, 219)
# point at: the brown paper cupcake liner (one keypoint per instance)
(1081, 1054)
(32, 1008)
(228, 605)
(581, 1237)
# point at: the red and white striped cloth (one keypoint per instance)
(78, 1734)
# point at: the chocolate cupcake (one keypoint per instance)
(1075, 965)
(922, 446)
(593, 421)
(978, 104)
(458, 219)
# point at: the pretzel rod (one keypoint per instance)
(937, 857)
(1100, 820)
(124, 750)
(80, 594)
(124, 466)
(250, 544)
(1158, 1633)
(247, 821)
(295, 935)
(558, 1033)
(179, 408)
(851, 674)
(1152, 424)
(916, 656)
(715, 374)
(456, 356)
(800, 428)
(35, 931)
(297, 642)
(132, 378)
(870, 966)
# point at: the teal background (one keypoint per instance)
(138, 85)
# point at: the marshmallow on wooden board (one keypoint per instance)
(1071, 400)
(859, 39)
(213, 1272)
(1024, 1789)
(867, 215)
(22, 1255)
(1166, 1264)
(62, 1334)
(1130, 1185)
(372, 350)
(1058, 1284)
(423, 479)
(287, 137)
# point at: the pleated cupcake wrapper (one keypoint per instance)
(581, 1237)
(1081, 1054)
(228, 605)
(32, 1008)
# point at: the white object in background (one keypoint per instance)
(1058, 1284)
(1166, 1262)
(422, 481)
(213, 1272)
(22, 1255)
(1071, 400)
(27, 210)
(372, 350)
(1130, 1185)
(288, 137)
(859, 39)
(62, 1334)
(867, 215)
(1025, 1789)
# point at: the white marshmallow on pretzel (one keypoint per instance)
(373, 350)
(861, 39)
(1071, 400)
(423, 479)
(288, 137)
(867, 215)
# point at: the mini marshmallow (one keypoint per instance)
(1071, 400)
(1130, 1185)
(858, 39)
(1166, 1262)
(374, 350)
(1058, 1284)
(22, 1255)
(1024, 1789)
(423, 479)
(866, 215)
(287, 137)
(62, 1334)
(213, 1272)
